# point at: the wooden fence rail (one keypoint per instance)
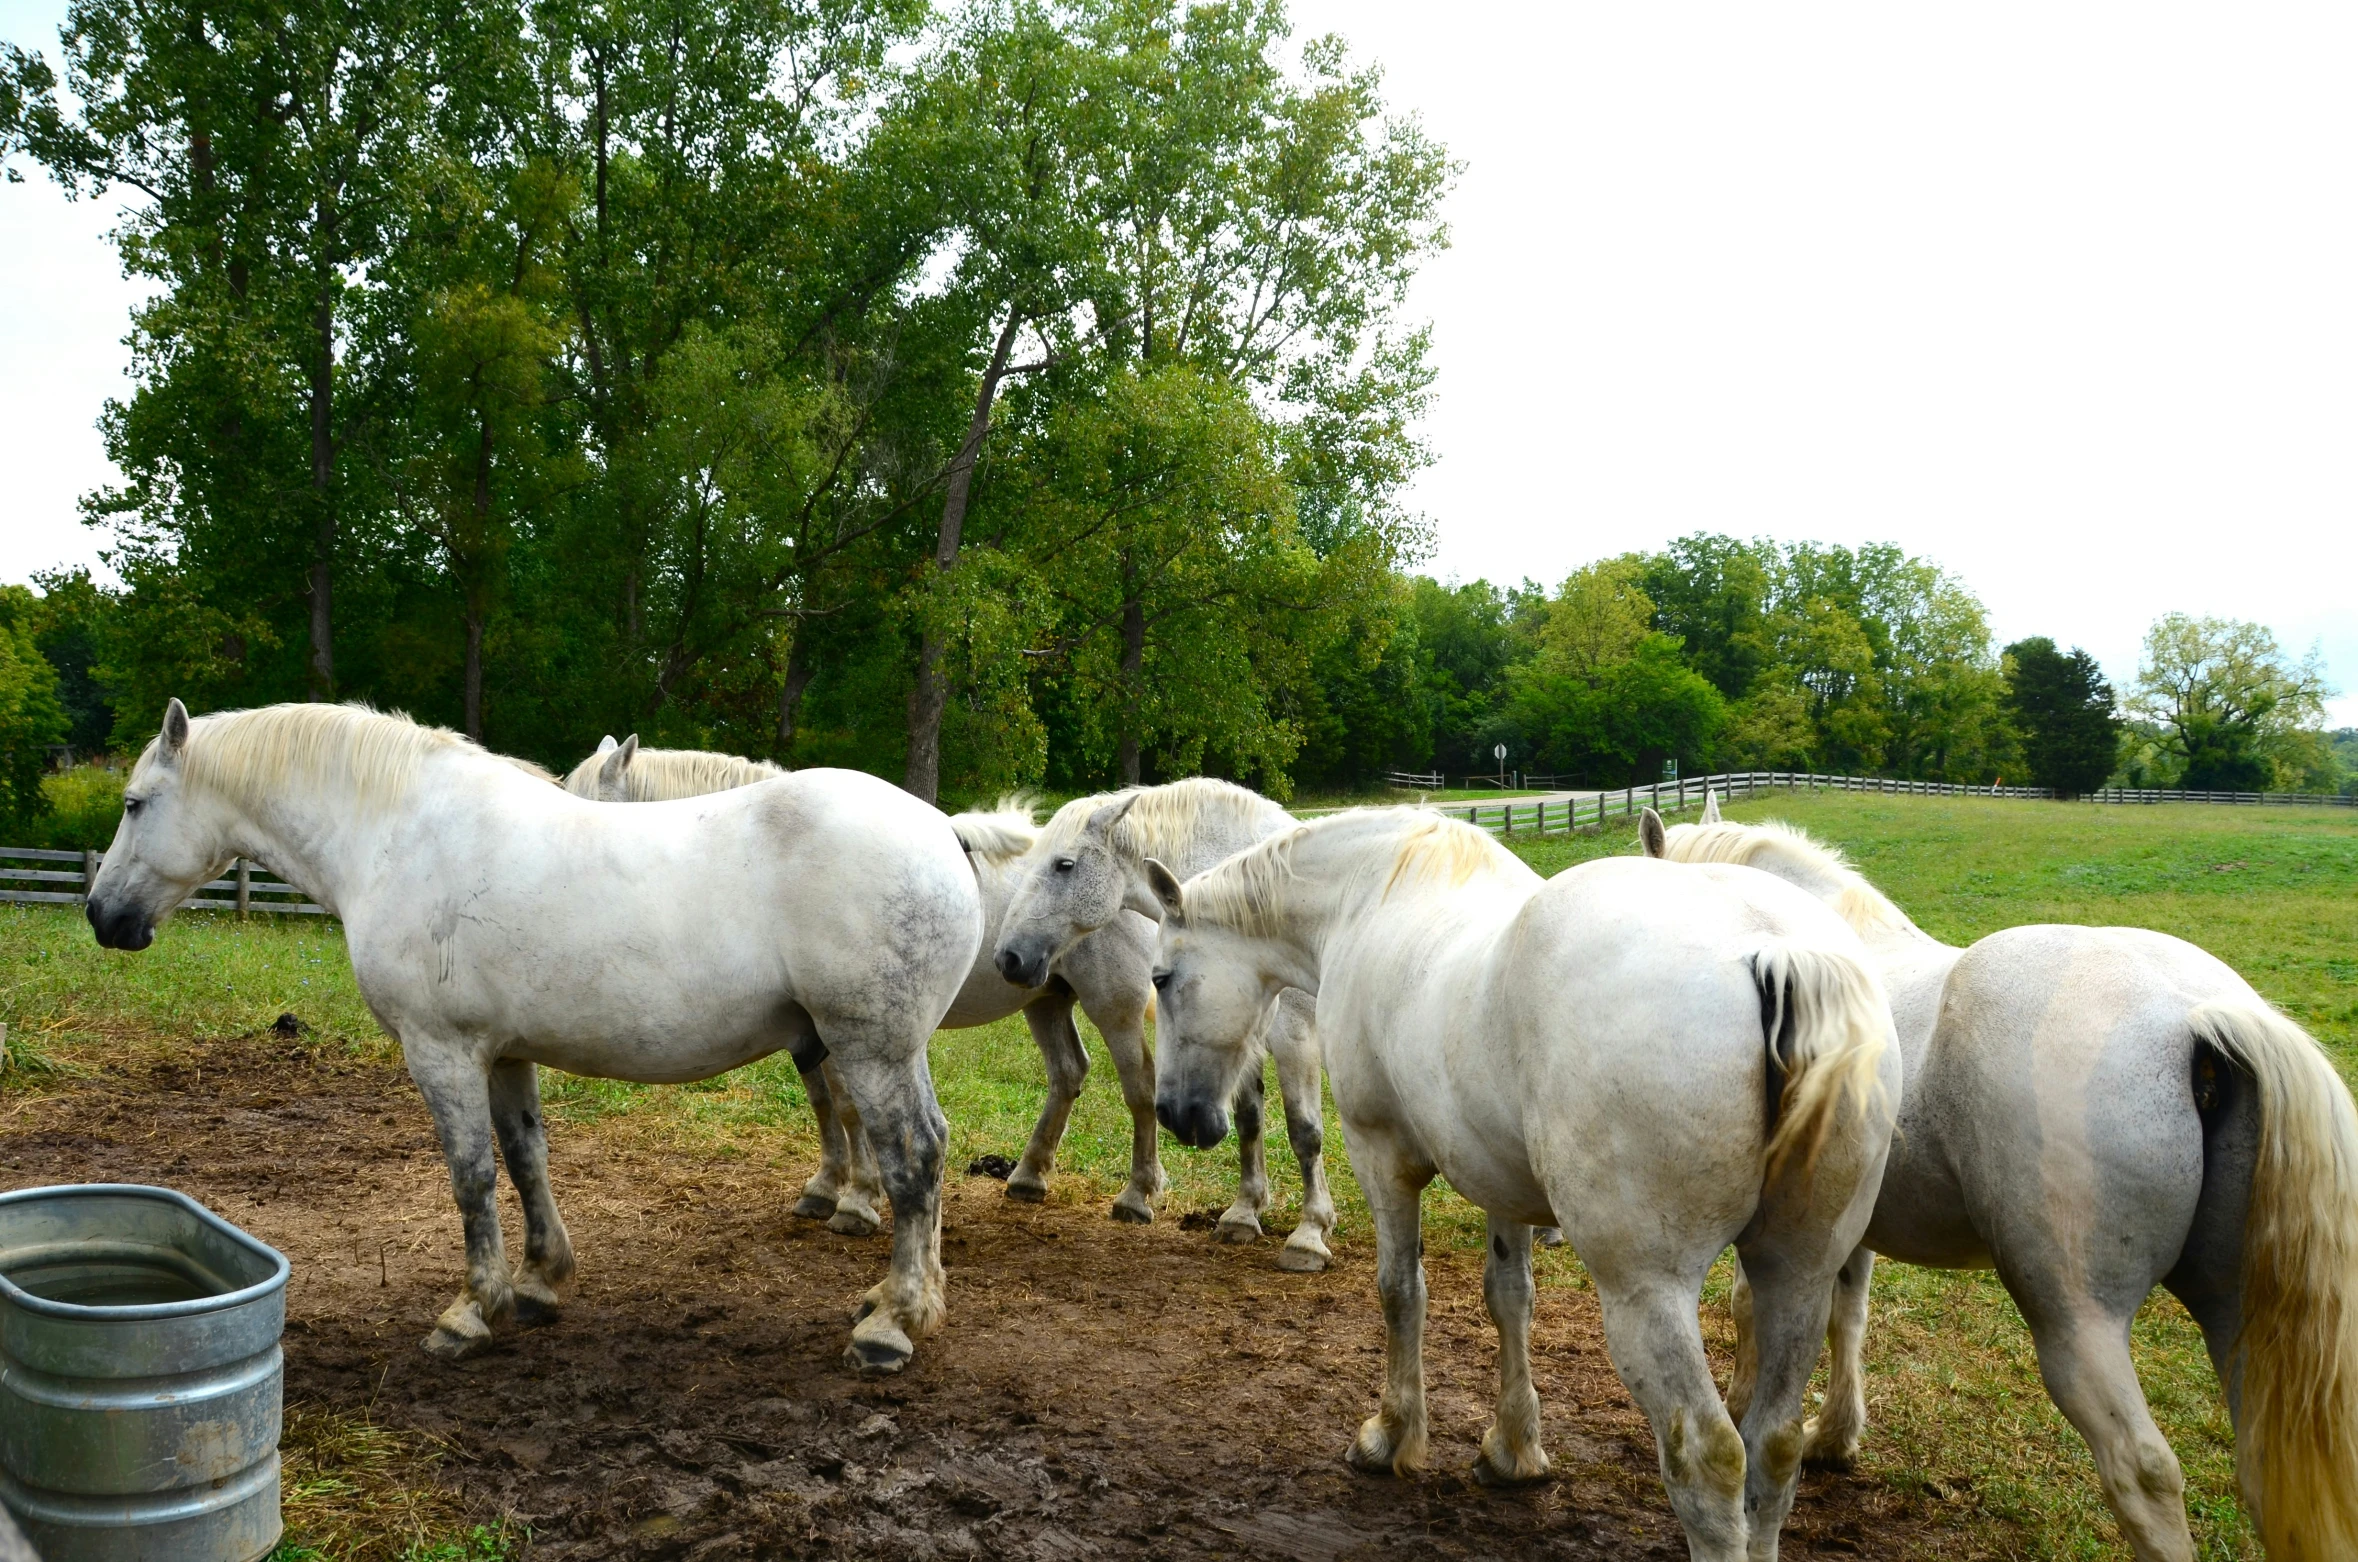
(36, 873)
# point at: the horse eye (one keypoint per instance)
(1064, 864)
(1162, 979)
(132, 805)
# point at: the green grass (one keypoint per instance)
(1955, 1401)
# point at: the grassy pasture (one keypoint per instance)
(1956, 1407)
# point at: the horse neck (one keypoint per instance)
(1335, 876)
(317, 837)
(1834, 885)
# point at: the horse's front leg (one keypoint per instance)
(894, 1097)
(1392, 1441)
(1293, 1041)
(1241, 1221)
(523, 1144)
(1066, 1063)
(456, 1084)
(1834, 1432)
(1511, 1454)
(1121, 1019)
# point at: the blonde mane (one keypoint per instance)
(1242, 893)
(1163, 819)
(1000, 833)
(663, 775)
(1867, 909)
(374, 756)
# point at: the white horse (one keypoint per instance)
(1088, 872)
(2096, 1111)
(1666, 1059)
(1107, 974)
(496, 923)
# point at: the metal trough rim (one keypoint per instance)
(195, 1306)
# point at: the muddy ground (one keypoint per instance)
(1100, 1390)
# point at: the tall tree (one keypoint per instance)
(2224, 697)
(2064, 710)
(268, 144)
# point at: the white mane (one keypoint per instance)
(662, 775)
(1242, 893)
(1867, 909)
(1163, 819)
(373, 756)
(1000, 833)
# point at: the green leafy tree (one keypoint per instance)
(2064, 710)
(2226, 703)
(68, 627)
(31, 716)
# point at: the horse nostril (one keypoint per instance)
(1011, 965)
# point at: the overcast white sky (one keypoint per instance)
(2063, 297)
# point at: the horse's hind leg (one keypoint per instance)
(1833, 1433)
(894, 1096)
(862, 1184)
(2085, 1363)
(1241, 1221)
(458, 1092)
(1511, 1454)
(818, 1194)
(1067, 1064)
(1791, 1297)
(523, 1144)
(1657, 1347)
(1293, 1040)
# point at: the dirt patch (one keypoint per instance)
(1100, 1391)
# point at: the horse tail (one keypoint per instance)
(2296, 1355)
(1827, 1024)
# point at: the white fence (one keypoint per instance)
(35, 873)
(2127, 794)
(1580, 813)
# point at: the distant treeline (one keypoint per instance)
(1002, 393)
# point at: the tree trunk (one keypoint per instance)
(475, 675)
(798, 678)
(929, 696)
(1133, 669)
(323, 465)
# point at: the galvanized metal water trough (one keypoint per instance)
(140, 1377)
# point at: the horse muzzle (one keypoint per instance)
(120, 927)
(1022, 968)
(1198, 1124)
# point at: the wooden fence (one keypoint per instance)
(1582, 813)
(2126, 794)
(33, 873)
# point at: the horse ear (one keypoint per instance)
(174, 737)
(617, 761)
(1165, 885)
(1710, 805)
(1103, 821)
(1651, 832)
(606, 744)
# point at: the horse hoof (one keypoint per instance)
(533, 1312)
(1301, 1260)
(814, 1206)
(1027, 1190)
(1491, 1475)
(449, 1345)
(1137, 1214)
(1238, 1231)
(851, 1223)
(878, 1352)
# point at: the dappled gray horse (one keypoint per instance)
(496, 923)
(2095, 1111)
(1105, 973)
(1087, 872)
